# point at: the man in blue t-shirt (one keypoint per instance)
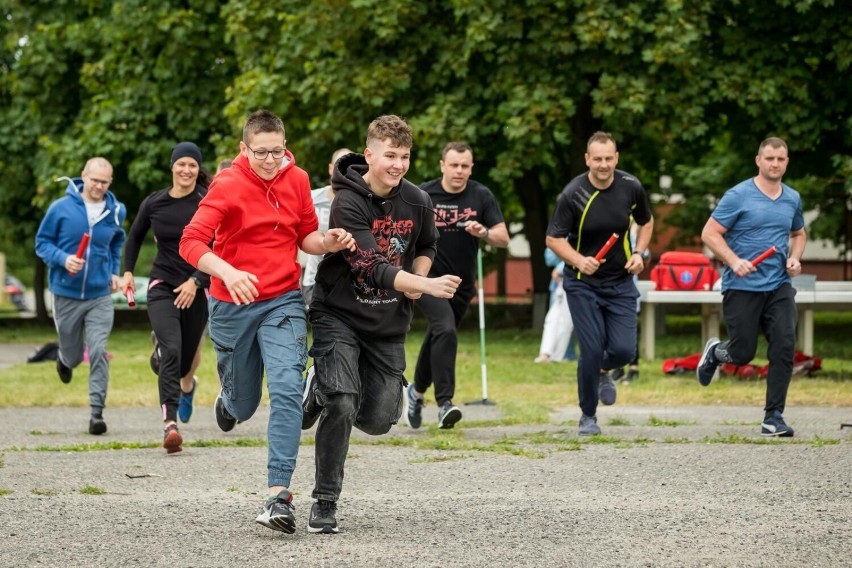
(753, 216)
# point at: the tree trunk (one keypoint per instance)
(38, 290)
(531, 195)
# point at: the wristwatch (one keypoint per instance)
(197, 281)
(645, 253)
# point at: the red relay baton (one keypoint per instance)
(764, 255)
(131, 298)
(81, 249)
(607, 245)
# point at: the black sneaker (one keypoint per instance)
(97, 426)
(606, 390)
(413, 410)
(225, 421)
(277, 513)
(323, 517)
(632, 375)
(311, 409)
(155, 355)
(448, 415)
(774, 425)
(708, 365)
(65, 373)
(172, 440)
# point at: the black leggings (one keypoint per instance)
(178, 333)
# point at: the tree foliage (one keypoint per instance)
(688, 89)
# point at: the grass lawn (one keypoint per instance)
(524, 390)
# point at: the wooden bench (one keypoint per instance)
(811, 296)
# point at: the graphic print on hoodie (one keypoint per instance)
(392, 241)
(390, 232)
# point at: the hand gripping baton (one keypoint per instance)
(764, 255)
(607, 245)
(81, 249)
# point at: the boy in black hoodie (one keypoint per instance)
(361, 308)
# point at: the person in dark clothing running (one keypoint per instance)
(601, 294)
(177, 303)
(361, 308)
(466, 213)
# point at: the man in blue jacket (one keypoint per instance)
(81, 285)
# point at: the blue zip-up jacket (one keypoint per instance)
(59, 235)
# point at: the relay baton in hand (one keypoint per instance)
(607, 245)
(131, 298)
(764, 255)
(81, 249)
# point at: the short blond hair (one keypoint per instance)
(390, 127)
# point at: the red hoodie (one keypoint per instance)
(256, 226)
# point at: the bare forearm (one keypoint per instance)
(564, 250)
(797, 245)
(644, 234)
(213, 265)
(422, 265)
(498, 236)
(409, 283)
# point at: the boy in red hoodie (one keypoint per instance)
(258, 213)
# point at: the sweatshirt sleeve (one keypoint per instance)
(427, 238)
(198, 234)
(136, 236)
(308, 222)
(47, 238)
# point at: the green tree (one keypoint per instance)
(124, 79)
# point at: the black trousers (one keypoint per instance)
(178, 333)
(773, 313)
(359, 383)
(436, 363)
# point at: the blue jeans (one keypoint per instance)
(605, 323)
(270, 335)
(359, 383)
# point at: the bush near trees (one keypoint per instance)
(688, 88)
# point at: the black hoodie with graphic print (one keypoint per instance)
(390, 232)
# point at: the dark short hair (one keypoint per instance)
(772, 142)
(460, 147)
(261, 121)
(600, 137)
(390, 126)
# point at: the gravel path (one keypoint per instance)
(698, 492)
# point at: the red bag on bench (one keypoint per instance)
(681, 270)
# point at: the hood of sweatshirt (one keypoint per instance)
(74, 190)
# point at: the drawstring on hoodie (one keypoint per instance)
(274, 201)
(275, 206)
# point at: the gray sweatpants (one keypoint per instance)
(80, 323)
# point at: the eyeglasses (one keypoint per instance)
(103, 182)
(261, 155)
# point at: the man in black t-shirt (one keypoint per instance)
(465, 213)
(592, 208)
